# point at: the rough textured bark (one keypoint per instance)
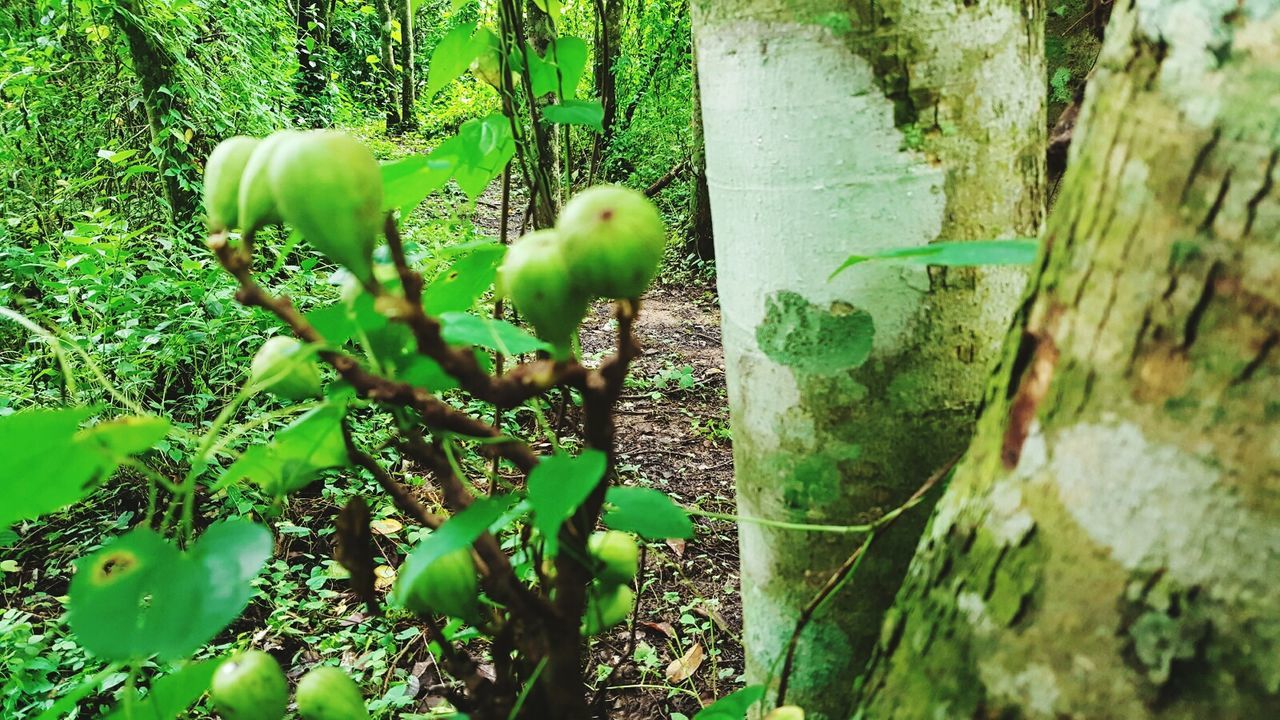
(818, 147)
(701, 235)
(388, 62)
(540, 32)
(1111, 545)
(408, 79)
(161, 98)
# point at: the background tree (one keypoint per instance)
(839, 127)
(1107, 548)
(155, 67)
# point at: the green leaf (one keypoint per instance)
(297, 454)
(559, 484)
(576, 112)
(550, 7)
(408, 181)
(483, 147)
(646, 512)
(452, 57)
(560, 70)
(50, 462)
(457, 532)
(1021, 251)
(457, 288)
(733, 706)
(171, 695)
(139, 596)
(459, 328)
(421, 371)
(125, 436)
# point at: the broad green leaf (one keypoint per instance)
(1020, 251)
(426, 373)
(125, 436)
(646, 512)
(297, 454)
(49, 462)
(339, 322)
(483, 147)
(171, 695)
(459, 328)
(550, 7)
(576, 112)
(408, 181)
(457, 532)
(559, 484)
(457, 288)
(733, 706)
(560, 70)
(139, 596)
(67, 703)
(452, 57)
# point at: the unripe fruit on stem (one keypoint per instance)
(250, 686)
(257, 203)
(618, 556)
(786, 712)
(535, 275)
(326, 693)
(614, 238)
(607, 605)
(329, 188)
(448, 586)
(222, 173)
(291, 377)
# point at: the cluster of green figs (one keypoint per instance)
(251, 686)
(607, 243)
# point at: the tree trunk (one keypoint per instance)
(701, 236)
(540, 33)
(313, 34)
(408, 81)
(817, 148)
(1110, 548)
(608, 47)
(161, 95)
(388, 61)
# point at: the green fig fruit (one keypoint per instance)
(448, 586)
(329, 188)
(327, 693)
(290, 377)
(222, 173)
(614, 238)
(786, 712)
(250, 686)
(607, 605)
(257, 203)
(536, 277)
(618, 556)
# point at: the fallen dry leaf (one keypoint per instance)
(386, 526)
(714, 616)
(384, 577)
(677, 546)
(662, 628)
(683, 668)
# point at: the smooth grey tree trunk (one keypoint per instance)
(841, 127)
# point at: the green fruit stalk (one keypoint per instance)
(327, 693)
(536, 276)
(290, 377)
(614, 238)
(328, 187)
(257, 203)
(250, 686)
(617, 555)
(222, 173)
(448, 586)
(607, 605)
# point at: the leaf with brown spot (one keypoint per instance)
(354, 551)
(683, 668)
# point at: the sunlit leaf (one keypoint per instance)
(1020, 251)
(459, 328)
(560, 69)
(452, 57)
(465, 281)
(559, 484)
(576, 112)
(646, 512)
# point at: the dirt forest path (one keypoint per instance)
(672, 435)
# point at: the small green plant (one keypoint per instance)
(1060, 84)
